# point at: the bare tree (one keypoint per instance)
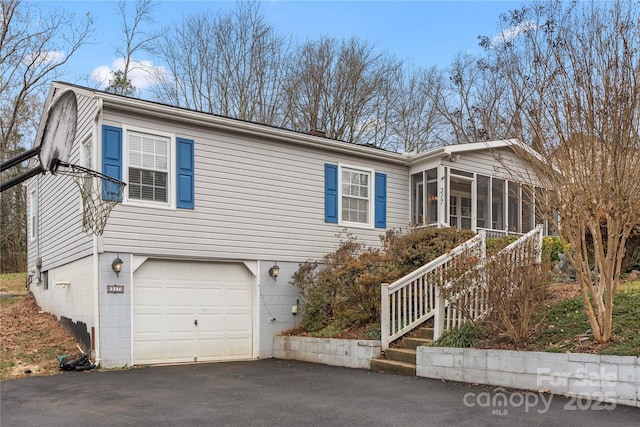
(473, 99)
(230, 64)
(34, 47)
(575, 70)
(415, 120)
(338, 87)
(136, 40)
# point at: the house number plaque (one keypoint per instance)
(115, 289)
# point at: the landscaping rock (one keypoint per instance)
(565, 268)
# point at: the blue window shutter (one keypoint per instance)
(331, 193)
(111, 160)
(381, 200)
(185, 174)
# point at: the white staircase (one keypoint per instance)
(417, 297)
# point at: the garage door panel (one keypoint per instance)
(234, 297)
(210, 322)
(149, 297)
(180, 350)
(149, 323)
(212, 296)
(177, 297)
(236, 346)
(170, 295)
(147, 352)
(237, 323)
(210, 349)
(180, 323)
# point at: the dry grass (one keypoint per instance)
(30, 339)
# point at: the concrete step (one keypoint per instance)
(393, 367)
(406, 355)
(425, 333)
(412, 343)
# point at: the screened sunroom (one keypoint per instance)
(467, 186)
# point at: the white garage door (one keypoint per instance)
(191, 312)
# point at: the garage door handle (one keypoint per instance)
(195, 322)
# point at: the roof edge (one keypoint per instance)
(235, 125)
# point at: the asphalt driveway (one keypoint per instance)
(283, 393)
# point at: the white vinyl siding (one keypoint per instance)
(32, 215)
(60, 238)
(251, 193)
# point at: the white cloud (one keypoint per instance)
(513, 32)
(143, 74)
(45, 57)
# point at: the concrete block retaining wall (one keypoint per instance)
(329, 351)
(593, 376)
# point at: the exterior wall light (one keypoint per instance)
(116, 265)
(274, 271)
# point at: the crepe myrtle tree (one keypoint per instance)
(574, 69)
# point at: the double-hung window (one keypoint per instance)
(148, 167)
(158, 167)
(356, 196)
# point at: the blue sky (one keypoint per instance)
(425, 32)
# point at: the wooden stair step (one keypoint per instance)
(393, 367)
(406, 355)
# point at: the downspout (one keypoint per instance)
(96, 260)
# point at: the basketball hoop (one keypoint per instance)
(100, 194)
(53, 142)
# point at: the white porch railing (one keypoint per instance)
(495, 234)
(417, 297)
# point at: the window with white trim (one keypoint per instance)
(148, 167)
(355, 196)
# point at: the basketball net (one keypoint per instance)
(100, 194)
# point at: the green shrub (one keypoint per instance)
(373, 331)
(496, 244)
(343, 291)
(463, 337)
(407, 252)
(551, 248)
